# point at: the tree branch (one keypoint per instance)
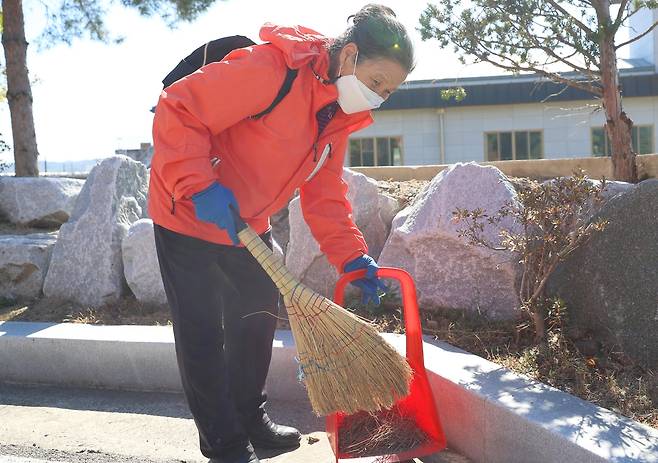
(592, 58)
(563, 38)
(580, 24)
(578, 47)
(516, 67)
(620, 14)
(536, 41)
(563, 59)
(92, 26)
(632, 13)
(547, 50)
(617, 47)
(555, 94)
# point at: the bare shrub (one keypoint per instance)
(554, 218)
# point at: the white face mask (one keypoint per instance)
(355, 96)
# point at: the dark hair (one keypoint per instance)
(377, 33)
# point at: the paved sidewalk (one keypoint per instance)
(18, 454)
(53, 425)
(94, 425)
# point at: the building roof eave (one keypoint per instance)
(499, 90)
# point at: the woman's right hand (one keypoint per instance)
(214, 204)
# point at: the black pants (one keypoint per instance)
(223, 356)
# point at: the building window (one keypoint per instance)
(641, 136)
(507, 146)
(384, 151)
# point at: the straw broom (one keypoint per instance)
(344, 362)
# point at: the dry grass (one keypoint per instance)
(127, 311)
(569, 360)
(7, 228)
(404, 192)
(606, 378)
(384, 433)
(594, 372)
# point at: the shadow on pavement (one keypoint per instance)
(144, 403)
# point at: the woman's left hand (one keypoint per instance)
(370, 285)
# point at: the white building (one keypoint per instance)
(503, 117)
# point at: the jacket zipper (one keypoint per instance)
(214, 161)
(326, 152)
(315, 146)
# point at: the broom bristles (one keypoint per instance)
(344, 362)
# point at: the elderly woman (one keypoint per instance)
(211, 156)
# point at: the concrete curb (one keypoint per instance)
(137, 358)
(493, 415)
(489, 414)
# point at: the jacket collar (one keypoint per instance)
(301, 46)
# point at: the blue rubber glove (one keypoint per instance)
(370, 284)
(213, 205)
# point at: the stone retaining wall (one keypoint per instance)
(647, 165)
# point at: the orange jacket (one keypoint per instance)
(206, 115)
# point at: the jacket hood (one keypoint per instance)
(300, 45)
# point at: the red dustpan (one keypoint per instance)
(419, 404)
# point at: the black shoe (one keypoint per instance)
(245, 455)
(263, 433)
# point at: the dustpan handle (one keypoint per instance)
(409, 302)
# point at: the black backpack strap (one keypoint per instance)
(283, 91)
(210, 52)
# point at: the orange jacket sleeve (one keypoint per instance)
(207, 102)
(328, 212)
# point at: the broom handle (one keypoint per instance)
(412, 327)
(270, 262)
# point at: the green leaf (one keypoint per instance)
(458, 93)
(86, 18)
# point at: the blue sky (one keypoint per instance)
(91, 98)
